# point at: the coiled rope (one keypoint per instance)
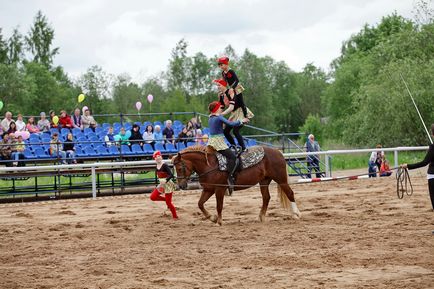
(402, 183)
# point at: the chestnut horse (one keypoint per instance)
(213, 181)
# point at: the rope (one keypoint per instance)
(402, 182)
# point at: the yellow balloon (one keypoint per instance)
(81, 97)
(55, 119)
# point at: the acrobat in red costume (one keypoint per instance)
(164, 191)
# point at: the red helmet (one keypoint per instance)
(156, 153)
(223, 60)
(220, 81)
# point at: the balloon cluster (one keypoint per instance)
(23, 134)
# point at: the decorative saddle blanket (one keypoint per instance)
(248, 159)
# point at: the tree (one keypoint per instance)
(15, 47)
(40, 39)
(3, 49)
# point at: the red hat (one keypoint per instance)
(156, 153)
(223, 60)
(220, 81)
(214, 106)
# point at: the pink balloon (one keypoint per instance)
(138, 105)
(25, 134)
(18, 133)
(84, 109)
(150, 98)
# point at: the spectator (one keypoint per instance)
(168, 132)
(31, 126)
(184, 136)
(199, 137)
(123, 137)
(12, 127)
(21, 125)
(148, 136)
(372, 166)
(1, 131)
(65, 121)
(136, 136)
(18, 148)
(158, 135)
(77, 120)
(6, 147)
(385, 168)
(109, 137)
(88, 120)
(52, 114)
(6, 122)
(313, 160)
(43, 123)
(196, 123)
(191, 128)
(68, 147)
(380, 156)
(56, 148)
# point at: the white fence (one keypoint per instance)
(92, 167)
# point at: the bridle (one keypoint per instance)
(184, 169)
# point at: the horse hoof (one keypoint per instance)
(296, 216)
(213, 219)
(262, 218)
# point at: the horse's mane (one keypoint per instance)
(200, 149)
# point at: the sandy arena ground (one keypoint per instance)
(352, 234)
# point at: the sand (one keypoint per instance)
(352, 234)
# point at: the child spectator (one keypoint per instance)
(76, 119)
(12, 127)
(6, 122)
(88, 120)
(148, 135)
(166, 185)
(109, 137)
(168, 132)
(136, 136)
(123, 137)
(64, 120)
(385, 169)
(52, 114)
(21, 125)
(68, 147)
(6, 147)
(31, 126)
(158, 135)
(56, 148)
(18, 150)
(43, 123)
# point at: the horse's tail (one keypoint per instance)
(284, 201)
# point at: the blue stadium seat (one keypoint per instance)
(28, 154)
(146, 123)
(34, 138)
(160, 147)
(93, 138)
(180, 146)
(53, 130)
(89, 151)
(138, 123)
(105, 126)
(205, 130)
(76, 131)
(158, 123)
(128, 126)
(113, 150)
(64, 131)
(125, 150)
(191, 143)
(102, 151)
(78, 151)
(40, 153)
(177, 123)
(117, 125)
(136, 149)
(170, 148)
(87, 131)
(98, 129)
(147, 149)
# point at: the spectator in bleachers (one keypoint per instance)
(31, 126)
(184, 136)
(43, 123)
(88, 120)
(109, 137)
(199, 137)
(7, 121)
(56, 148)
(65, 121)
(21, 125)
(18, 148)
(191, 128)
(136, 136)
(77, 120)
(158, 135)
(168, 132)
(52, 114)
(68, 147)
(123, 137)
(12, 127)
(6, 147)
(196, 123)
(148, 135)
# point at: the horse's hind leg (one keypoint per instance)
(265, 198)
(206, 194)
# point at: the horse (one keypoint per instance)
(204, 162)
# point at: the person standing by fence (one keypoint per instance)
(313, 160)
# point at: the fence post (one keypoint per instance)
(396, 158)
(93, 182)
(327, 165)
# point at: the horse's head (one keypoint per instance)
(183, 170)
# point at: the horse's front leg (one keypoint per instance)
(220, 195)
(206, 194)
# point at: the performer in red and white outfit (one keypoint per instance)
(164, 191)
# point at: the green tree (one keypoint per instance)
(15, 47)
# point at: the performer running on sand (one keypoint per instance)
(166, 186)
(217, 141)
(236, 107)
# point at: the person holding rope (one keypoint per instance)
(429, 159)
(166, 185)
(217, 141)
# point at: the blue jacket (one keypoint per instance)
(215, 124)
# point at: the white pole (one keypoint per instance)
(93, 183)
(396, 159)
(414, 103)
(327, 166)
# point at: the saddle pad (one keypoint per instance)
(248, 159)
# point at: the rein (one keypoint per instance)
(402, 182)
(183, 167)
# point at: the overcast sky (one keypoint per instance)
(137, 36)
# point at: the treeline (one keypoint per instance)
(360, 102)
